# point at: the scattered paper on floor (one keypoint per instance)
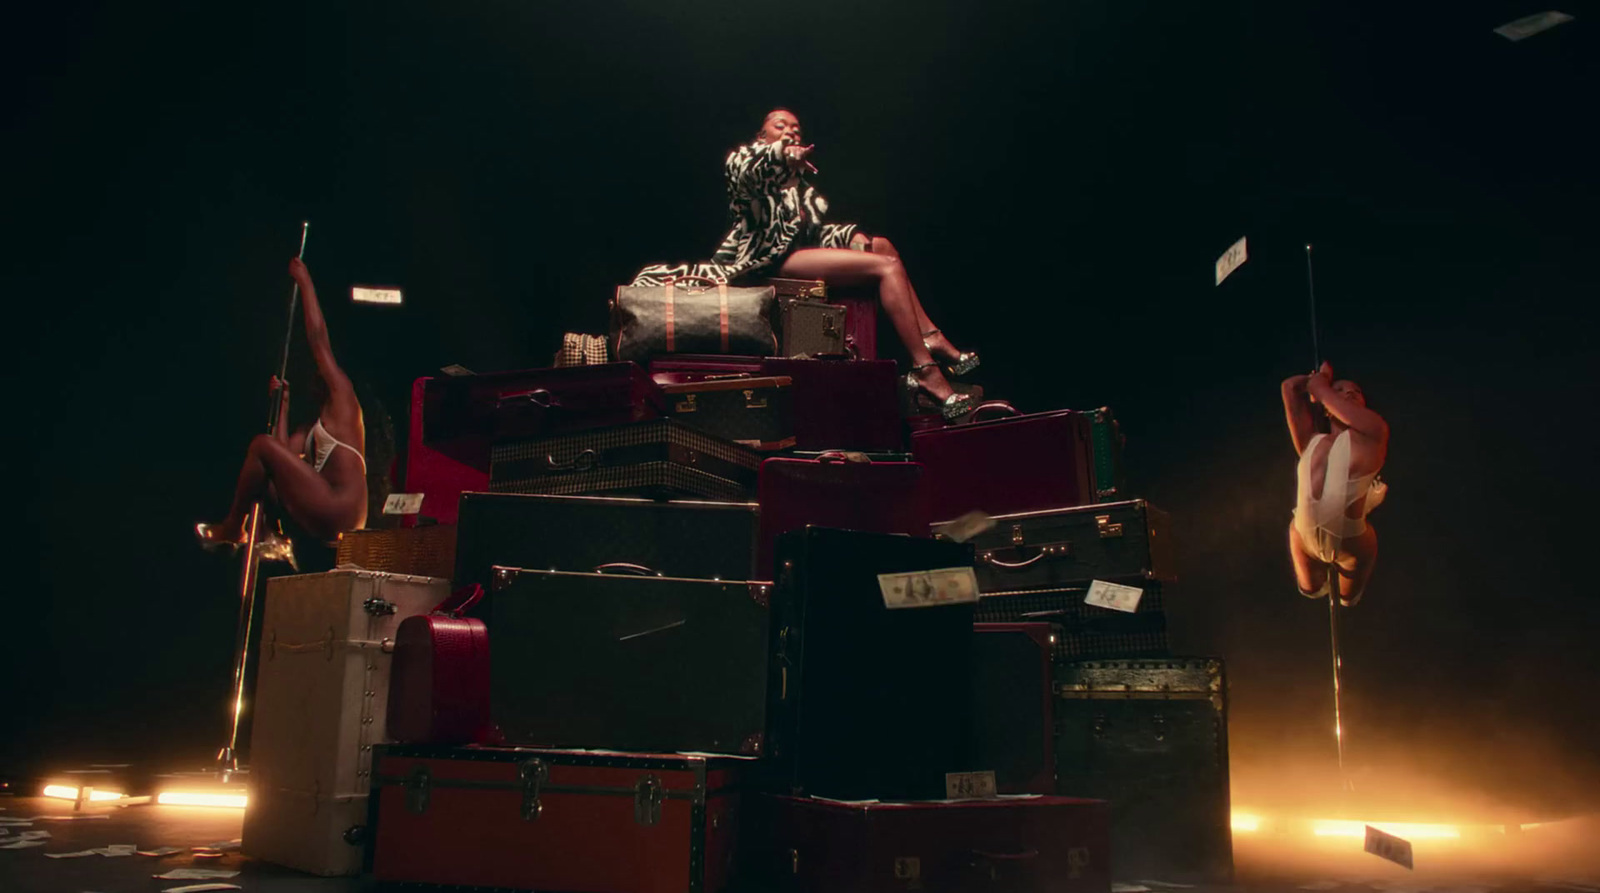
(21, 844)
(78, 855)
(195, 874)
(160, 851)
(118, 849)
(201, 888)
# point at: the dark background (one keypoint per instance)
(1059, 177)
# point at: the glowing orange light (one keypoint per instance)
(192, 798)
(1244, 821)
(63, 792)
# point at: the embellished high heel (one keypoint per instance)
(952, 407)
(963, 363)
(209, 541)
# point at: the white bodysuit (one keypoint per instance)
(1324, 521)
(320, 445)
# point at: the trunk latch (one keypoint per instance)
(647, 797)
(533, 774)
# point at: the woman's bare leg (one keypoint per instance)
(940, 345)
(304, 494)
(1356, 559)
(1310, 573)
(841, 266)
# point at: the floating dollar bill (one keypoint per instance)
(402, 504)
(968, 785)
(159, 851)
(965, 527)
(926, 589)
(1231, 259)
(455, 370)
(201, 888)
(1111, 595)
(78, 855)
(364, 295)
(1527, 26)
(1388, 846)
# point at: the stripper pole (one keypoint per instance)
(1333, 568)
(227, 758)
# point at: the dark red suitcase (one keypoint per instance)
(1045, 844)
(440, 477)
(1013, 705)
(439, 681)
(837, 490)
(525, 819)
(1018, 463)
(686, 367)
(843, 404)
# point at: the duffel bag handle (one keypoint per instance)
(1004, 409)
(637, 570)
(460, 601)
(674, 280)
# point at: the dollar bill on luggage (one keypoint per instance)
(1232, 259)
(1114, 596)
(968, 785)
(402, 504)
(1527, 26)
(965, 527)
(930, 588)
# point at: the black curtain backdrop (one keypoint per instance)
(1059, 177)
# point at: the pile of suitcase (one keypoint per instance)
(670, 662)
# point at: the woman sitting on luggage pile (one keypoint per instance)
(318, 474)
(778, 231)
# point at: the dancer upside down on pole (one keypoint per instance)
(1338, 484)
(318, 474)
(778, 231)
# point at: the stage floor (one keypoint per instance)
(30, 870)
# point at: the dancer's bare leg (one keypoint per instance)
(1356, 559)
(1309, 571)
(841, 266)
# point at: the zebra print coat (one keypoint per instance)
(769, 220)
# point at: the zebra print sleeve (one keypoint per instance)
(756, 169)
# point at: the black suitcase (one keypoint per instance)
(1108, 541)
(753, 411)
(660, 459)
(861, 695)
(705, 540)
(624, 662)
(1087, 631)
(1152, 738)
(1013, 705)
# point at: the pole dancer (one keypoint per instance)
(1332, 546)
